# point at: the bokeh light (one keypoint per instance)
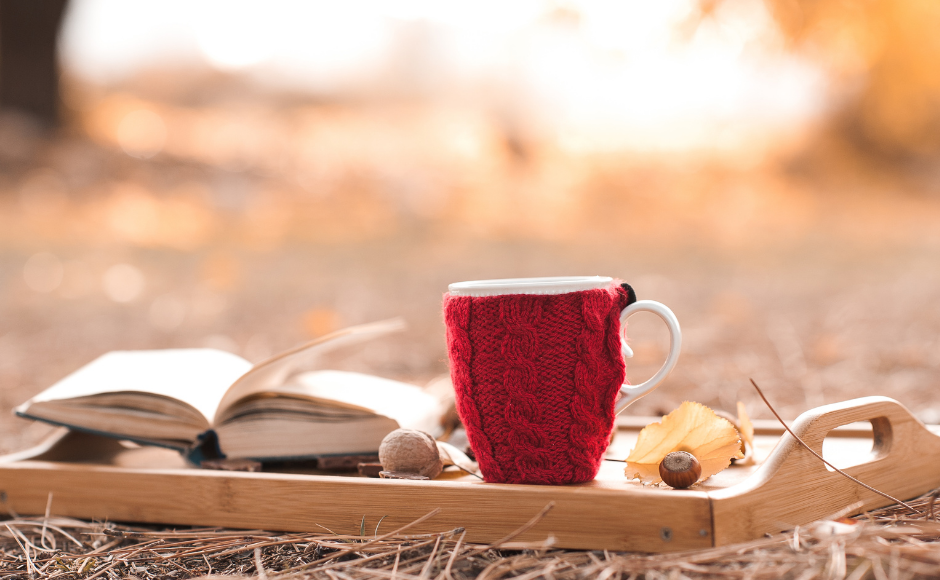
(601, 74)
(141, 133)
(248, 176)
(123, 282)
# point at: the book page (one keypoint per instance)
(281, 438)
(407, 404)
(357, 393)
(273, 372)
(198, 377)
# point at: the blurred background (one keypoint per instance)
(250, 175)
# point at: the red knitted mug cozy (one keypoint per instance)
(536, 378)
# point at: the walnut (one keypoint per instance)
(410, 451)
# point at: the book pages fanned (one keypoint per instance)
(277, 369)
(198, 377)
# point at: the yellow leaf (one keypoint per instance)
(692, 427)
(747, 429)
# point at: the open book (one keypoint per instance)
(179, 398)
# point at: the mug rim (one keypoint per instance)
(543, 286)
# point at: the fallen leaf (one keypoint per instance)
(692, 427)
(746, 429)
(450, 455)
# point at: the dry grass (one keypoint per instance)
(887, 543)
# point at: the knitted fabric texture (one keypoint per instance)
(536, 378)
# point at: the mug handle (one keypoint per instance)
(630, 393)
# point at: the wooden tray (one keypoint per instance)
(98, 478)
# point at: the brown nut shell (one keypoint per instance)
(410, 451)
(680, 469)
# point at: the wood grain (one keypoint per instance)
(97, 478)
(583, 517)
(792, 487)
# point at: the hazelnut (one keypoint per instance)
(680, 469)
(410, 451)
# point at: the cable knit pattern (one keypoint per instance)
(536, 378)
(520, 347)
(460, 351)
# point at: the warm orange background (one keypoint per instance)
(182, 206)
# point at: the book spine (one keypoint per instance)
(205, 448)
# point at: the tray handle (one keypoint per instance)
(792, 487)
(901, 444)
(882, 412)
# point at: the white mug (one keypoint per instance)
(565, 284)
